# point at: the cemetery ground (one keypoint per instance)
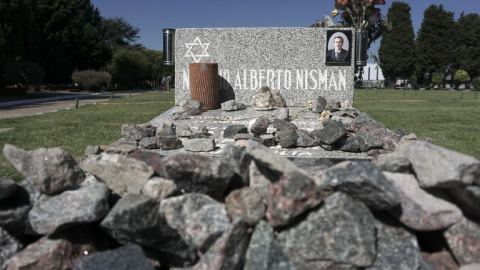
(448, 117)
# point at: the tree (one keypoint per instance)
(129, 67)
(397, 47)
(468, 43)
(73, 37)
(156, 68)
(119, 33)
(59, 35)
(15, 22)
(16, 29)
(155, 65)
(435, 41)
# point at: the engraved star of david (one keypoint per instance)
(197, 57)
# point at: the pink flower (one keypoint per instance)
(341, 4)
(379, 2)
(367, 3)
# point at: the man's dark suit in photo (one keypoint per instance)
(338, 54)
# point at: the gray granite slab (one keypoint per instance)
(218, 120)
(290, 60)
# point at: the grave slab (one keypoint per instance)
(218, 120)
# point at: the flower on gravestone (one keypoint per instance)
(341, 4)
(363, 14)
(367, 3)
(334, 13)
(375, 14)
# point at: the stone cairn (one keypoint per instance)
(415, 205)
(343, 129)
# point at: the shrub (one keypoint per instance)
(461, 76)
(437, 79)
(91, 79)
(476, 83)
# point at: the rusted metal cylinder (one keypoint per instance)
(204, 84)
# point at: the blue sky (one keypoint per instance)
(151, 16)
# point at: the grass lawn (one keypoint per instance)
(75, 129)
(450, 118)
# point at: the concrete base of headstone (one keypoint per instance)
(218, 120)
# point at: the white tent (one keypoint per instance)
(372, 72)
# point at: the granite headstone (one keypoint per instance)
(290, 60)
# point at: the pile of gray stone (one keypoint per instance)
(414, 208)
(341, 128)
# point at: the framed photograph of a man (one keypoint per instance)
(338, 49)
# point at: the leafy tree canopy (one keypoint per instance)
(129, 67)
(156, 68)
(435, 41)
(397, 47)
(59, 35)
(468, 43)
(119, 33)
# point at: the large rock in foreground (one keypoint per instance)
(69, 209)
(193, 211)
(364, 182)
(199, 174)
(122, 174)
(341, 233)
(50, 170)
(419, 210)
(436, 166)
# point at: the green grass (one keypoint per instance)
(75, 129)
(450, 118)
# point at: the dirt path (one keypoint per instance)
(43, 107)
(33, 107)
